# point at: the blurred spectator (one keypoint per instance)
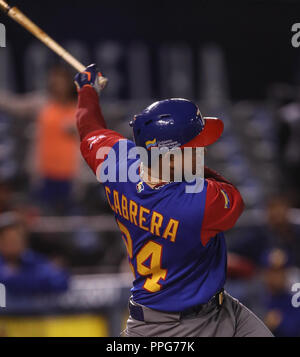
(282, 318)
(56, 146)
(23, 271)
(279, 232)
(239, 267)
(276, 232)
(6, 194)
(289, 147)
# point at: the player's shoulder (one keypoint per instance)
(102, 137)
(121, 165)
(124, 145)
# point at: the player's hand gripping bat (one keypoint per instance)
(24, 21)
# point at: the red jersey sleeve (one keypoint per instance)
(93, 132)
(224, 205)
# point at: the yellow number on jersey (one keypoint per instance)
(153, 251)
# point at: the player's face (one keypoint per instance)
(177, 165)
(187, 162)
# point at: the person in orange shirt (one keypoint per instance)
(56, 145)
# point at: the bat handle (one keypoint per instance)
(103, 81)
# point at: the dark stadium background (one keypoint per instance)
(255, 35)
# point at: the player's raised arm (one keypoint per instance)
(91, 125)
(223, 207)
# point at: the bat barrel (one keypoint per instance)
(4, 6)
(30, 26)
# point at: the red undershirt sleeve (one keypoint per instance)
(92, 128)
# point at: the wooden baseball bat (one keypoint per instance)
(36, 31)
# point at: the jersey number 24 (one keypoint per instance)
(152, 250)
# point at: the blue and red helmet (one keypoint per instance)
(174, 123)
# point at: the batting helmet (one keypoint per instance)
(174, 123)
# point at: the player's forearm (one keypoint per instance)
(89, 116)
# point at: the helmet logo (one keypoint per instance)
(150, 143)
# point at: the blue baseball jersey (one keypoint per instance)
(174, 240)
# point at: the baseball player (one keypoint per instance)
(174, 239)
